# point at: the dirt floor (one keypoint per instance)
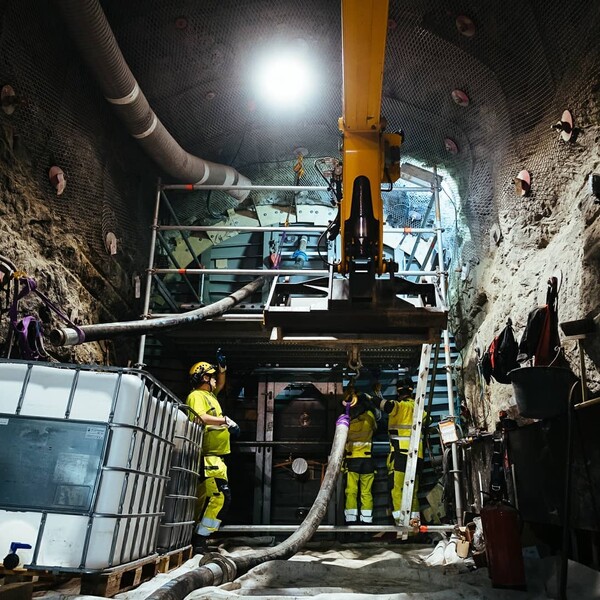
(369, 571)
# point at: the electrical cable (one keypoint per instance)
(324, 259)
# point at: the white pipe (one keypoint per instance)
(290, 229)
(273, 272)
(270, 188)
(447, 359)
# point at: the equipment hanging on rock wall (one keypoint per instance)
(501, 356)
(28, 331)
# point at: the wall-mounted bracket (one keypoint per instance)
(565, 126)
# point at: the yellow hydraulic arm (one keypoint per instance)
(369, 156)
(359, 306)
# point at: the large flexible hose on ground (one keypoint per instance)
(219, 569)
(69, 336)
(91, 32)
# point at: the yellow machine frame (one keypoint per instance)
(359, 307)
(367, 151)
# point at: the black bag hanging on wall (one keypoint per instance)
(501, 356)
(540, 339)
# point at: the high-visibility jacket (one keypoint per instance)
(400, 424)
(215, 441)
(359, 443)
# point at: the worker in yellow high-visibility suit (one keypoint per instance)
(400, 420)
(214, 496)
(359, 464)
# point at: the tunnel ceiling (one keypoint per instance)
(195, 61)
(515, 60)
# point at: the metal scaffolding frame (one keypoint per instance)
(264, 431)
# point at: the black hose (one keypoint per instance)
(564, 557)
(218, 568)
(314, 517)
(185, 584)
(68, 336)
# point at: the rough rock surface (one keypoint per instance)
(33, 239)
(555, 230)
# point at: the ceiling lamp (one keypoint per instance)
(284, 80)
(460, 98)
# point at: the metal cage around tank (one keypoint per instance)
(85, 463)
(177, 524)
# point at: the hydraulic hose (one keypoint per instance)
(92, 34)
(219, 569)
(69, 336)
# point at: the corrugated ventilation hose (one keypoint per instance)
(91, 32)
(68, 336)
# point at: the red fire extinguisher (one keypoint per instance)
(502, 530)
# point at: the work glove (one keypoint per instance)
(221, 361)
(232, 427)
(229, 423)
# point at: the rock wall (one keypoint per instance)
(62, 263)
(555, 230)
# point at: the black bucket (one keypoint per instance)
(542, 392)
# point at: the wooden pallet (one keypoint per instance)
(16, 591)
(174, 559)
(105, 583)
(40, 579)
(119, 579)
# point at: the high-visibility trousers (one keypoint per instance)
(214, 497)
(397, 465)
(359, 482)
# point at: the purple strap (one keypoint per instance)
(28, 334)
(28, 330)
(343, 420)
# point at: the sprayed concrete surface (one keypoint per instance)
(366, 572)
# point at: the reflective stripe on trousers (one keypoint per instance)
(397, 490)
(357, 483)
(214, 498)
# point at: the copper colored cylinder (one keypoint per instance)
(501, 531)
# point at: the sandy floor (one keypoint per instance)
(370, 571)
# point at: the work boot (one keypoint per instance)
(199, 544)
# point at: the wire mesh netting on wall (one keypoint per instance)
(510, 66)
(194, 63)
(62, 120)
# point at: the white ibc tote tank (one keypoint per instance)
(84, 463)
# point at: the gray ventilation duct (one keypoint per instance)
(91, 32)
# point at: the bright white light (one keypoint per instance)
(284, 80)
